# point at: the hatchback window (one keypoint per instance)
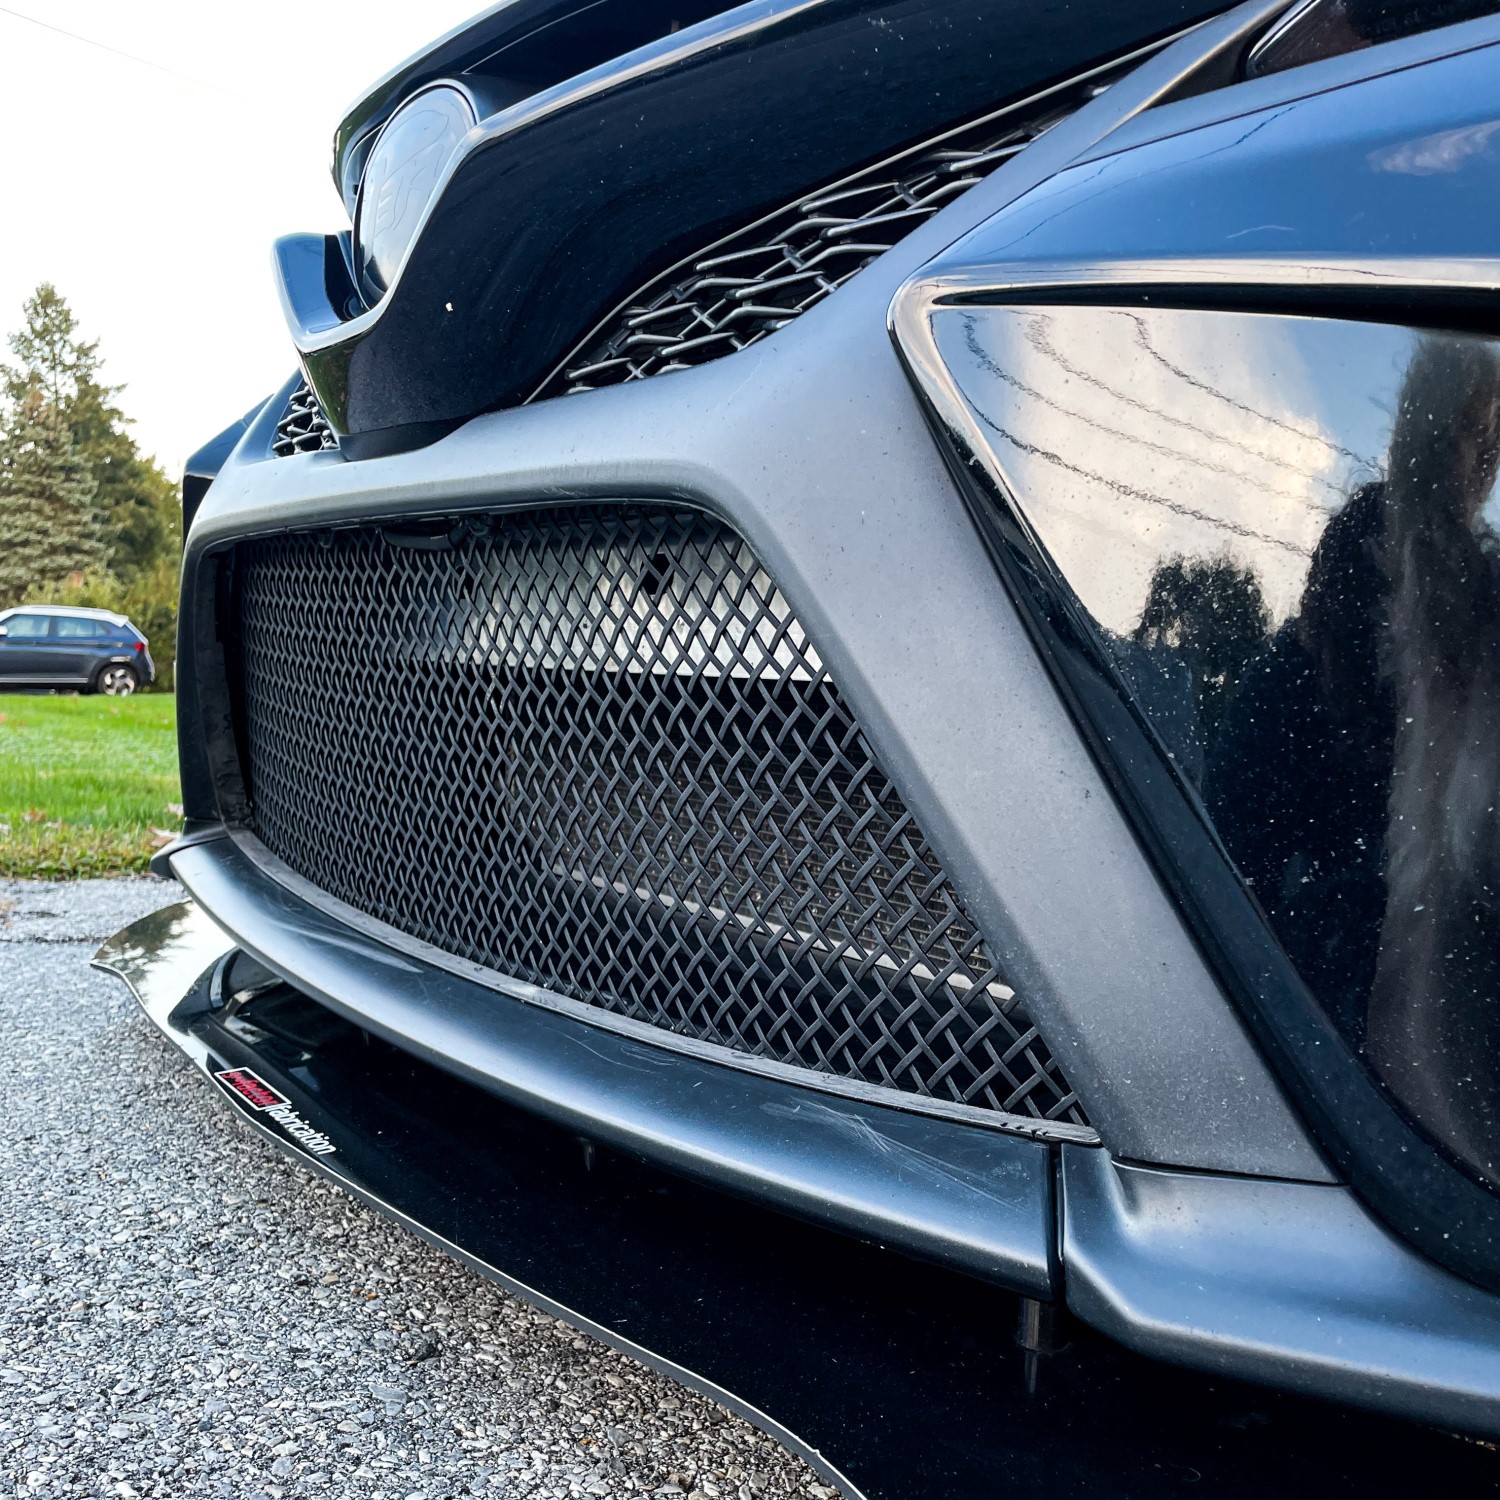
(26, 627)
(79, 630)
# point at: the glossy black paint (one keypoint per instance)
(1306, 638)
(509, 52)
(895, 1379)
(1403, 164)
(561, 205)
(1338, 760)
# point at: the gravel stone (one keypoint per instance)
(185, 1313)
(84, 911)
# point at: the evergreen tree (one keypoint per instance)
(53, 358)
(137, 503)
(49, 527)
(139, 506)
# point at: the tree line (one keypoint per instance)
(85, 517)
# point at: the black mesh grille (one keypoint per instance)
(303, 428)
(758, 280)
(594, 750)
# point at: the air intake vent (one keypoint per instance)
(595, 751)
(303, 428)
(756, 281)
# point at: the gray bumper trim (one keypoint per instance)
(813, 446)
(1288, 1283)
(973, 1199)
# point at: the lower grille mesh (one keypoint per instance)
(594, 750)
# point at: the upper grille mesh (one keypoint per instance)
(759, 279)
(303, 428)
(594, 750)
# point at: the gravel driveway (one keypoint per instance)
(184, 1313)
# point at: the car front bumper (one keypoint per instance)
(1197, 1222)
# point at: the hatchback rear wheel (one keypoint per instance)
(117, 679)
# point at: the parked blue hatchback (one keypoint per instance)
(90, 650)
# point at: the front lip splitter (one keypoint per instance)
(894, 1379)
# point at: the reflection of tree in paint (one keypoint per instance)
(1299, 772)
(1211, 614)
(1434, 1025)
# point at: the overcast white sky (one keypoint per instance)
(150, 199)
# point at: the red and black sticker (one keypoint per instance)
(251, 1089)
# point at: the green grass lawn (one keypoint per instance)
(88, 786)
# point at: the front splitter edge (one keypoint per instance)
(903, 1380)
(154, 957)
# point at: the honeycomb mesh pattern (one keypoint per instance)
(594, 750)
(759, 279)
(303, 428)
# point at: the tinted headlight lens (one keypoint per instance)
(403, 173)
(1329, 28)
(1260, 526)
